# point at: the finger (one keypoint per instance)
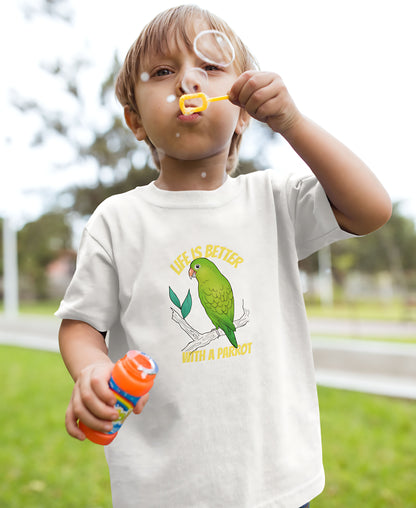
(71, 425)
(254, 87)
(263, 102)
(140, 404)
(99, 383)
(92, 411)
(234, 92)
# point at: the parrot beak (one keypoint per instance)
(191, 273)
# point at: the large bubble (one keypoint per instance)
(214, 47)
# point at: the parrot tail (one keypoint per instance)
(231, 337)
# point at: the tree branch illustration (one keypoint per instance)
(199, 339)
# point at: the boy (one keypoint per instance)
(233, 416)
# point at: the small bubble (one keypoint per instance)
(203, 174)
(177, 135)
(194, 80)
(144, 76)
(170, 98)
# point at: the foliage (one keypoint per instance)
(186, 306)
(368, 443)
(39, 243)
(390, 249)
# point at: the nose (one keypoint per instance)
(192, 80)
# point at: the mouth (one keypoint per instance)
(191, 273)
(193, 117)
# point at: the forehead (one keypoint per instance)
(166, 38)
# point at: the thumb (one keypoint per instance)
(140, 404)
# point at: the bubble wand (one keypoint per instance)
(188, 110)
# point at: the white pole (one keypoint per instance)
(11, 278)
(325, 276)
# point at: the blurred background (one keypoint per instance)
(64, 148)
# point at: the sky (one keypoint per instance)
(348, 64)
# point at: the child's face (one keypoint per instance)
(167, 77)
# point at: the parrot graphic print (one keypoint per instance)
(216, 296)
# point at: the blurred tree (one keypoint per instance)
(390, 249)
(60, 9)
(39, 243)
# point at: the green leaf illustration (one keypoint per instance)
(187, 305)
(173, 298)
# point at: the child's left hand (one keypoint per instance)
(265, 97)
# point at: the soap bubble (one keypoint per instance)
(214, 47)
(194, 80)
(171, 98)
(144, 76)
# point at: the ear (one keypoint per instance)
(134, 122)
(242, 122)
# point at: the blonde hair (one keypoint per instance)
(176, 22)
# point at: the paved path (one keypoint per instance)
(385, 368)
(36, 332)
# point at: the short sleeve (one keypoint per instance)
(92, 295)
(314, 221)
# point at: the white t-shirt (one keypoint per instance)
(223, 426)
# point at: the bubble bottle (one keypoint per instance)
(131, 378)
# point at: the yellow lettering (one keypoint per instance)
(208, 250)
(211, 355)
(238, 261)
(197, 252)
(227, 254)
(195, 356)
(221, 252)
(231, 258)
(187, 357)
(220, 352)
(233, 351)
(215, 251)
(185, 258)
(175, 269)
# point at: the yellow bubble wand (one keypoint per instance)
(188, 110)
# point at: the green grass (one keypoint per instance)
(369, 444)
(369, 450)
(394, 310)
(42, 466)
(41, 307)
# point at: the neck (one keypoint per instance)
(204, 174)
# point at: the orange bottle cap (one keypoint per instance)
(135, 373)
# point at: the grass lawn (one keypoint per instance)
(369, 444)
(41, 307)
(41, 465)
(394, 310)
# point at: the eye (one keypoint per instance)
(162, 72)
(197, 267)
(211, 67)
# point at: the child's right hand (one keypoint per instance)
(92, 401)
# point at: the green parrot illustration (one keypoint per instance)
(216, 296)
